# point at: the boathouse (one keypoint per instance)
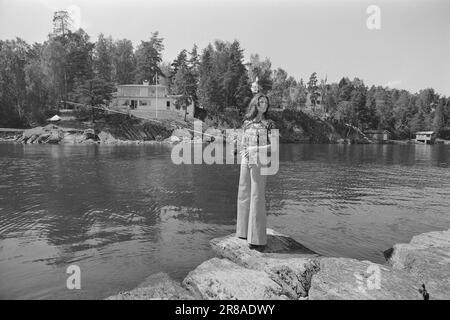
(425, 136)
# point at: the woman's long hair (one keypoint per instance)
(252, 109)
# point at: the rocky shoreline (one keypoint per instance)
(53, 134)
(285, 269)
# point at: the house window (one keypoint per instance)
(168, 104)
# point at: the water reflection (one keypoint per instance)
(124, 212)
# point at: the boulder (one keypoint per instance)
(156, 287)
(350, 279)
(48, 134)
(221, 279)
(287, 262)
(106, 137)
(427, 256)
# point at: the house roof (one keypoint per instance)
(425, 132)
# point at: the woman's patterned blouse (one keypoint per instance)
(257, 133)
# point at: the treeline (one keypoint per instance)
(377, 107)
(36, 79)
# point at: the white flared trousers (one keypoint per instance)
(251, 206)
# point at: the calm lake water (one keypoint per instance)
(122, 213)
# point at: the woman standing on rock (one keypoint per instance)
(251, 204)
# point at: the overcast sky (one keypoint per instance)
(410, 51)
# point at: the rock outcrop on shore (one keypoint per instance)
(427, 257)
(54, 134)
(285, 269)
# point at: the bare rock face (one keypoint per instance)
(156, 287)
(427, 256)
(350, 279)
(221, 279)
(287, 262)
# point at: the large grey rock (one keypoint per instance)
(48, 134)
(156, 287)
(427, 256)
(221, 279)
(350, 279)
(287, 262)
(106, 137)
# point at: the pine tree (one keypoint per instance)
(233, 75)
(149, 56)
(313, 89)
(208, 91)
(179, 62)
(194, 64)
(124, 62)
(182, 86)
(103, 58)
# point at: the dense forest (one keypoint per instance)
(36, 79)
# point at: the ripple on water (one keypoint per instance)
(124, 213)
